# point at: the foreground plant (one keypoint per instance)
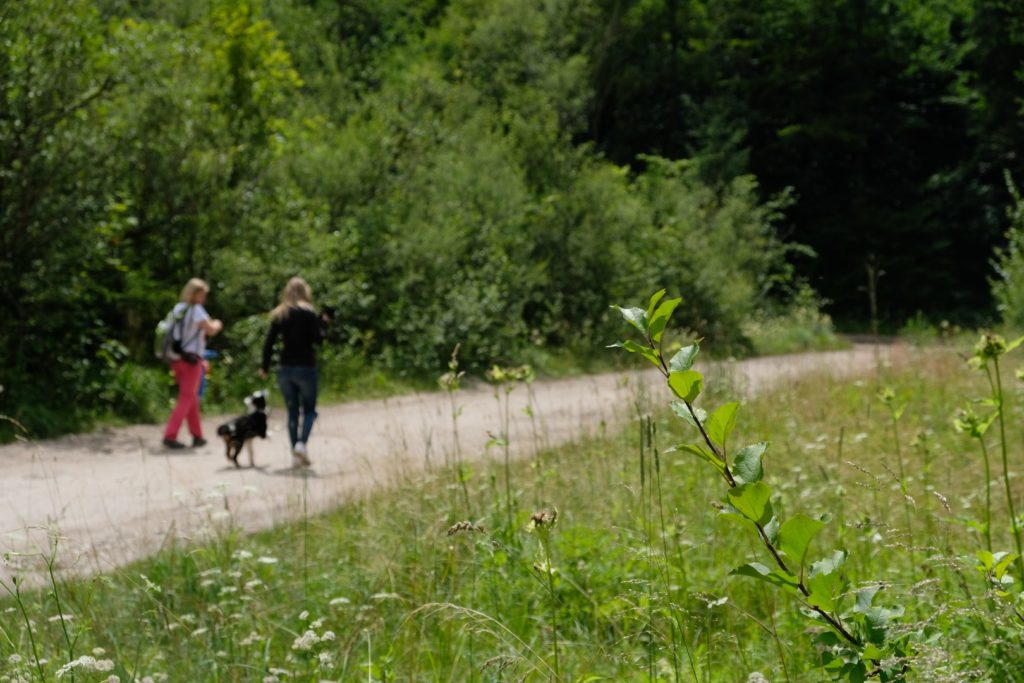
(987, 352)
(505, 381)
(858, 643)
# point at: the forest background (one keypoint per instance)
(490, 173)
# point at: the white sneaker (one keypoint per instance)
(300, 454)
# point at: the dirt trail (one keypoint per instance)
(117, 495)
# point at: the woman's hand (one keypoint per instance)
(212, 327)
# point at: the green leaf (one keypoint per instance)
(655, 298)
(795, 537)
(637, 317)
(686, 385)
(986, 558)
(631, 346)
(746, 464)
(824, 589)
(829, 565)
(1014, 344)
(701, 453)
(661, 317)
(865, 596)
(776, 577)
(721, 423)
(753, 501)
(872, 653)
(680, 409)
(825, 581)
(1003, 564)
(683, 359)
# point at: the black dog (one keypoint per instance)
(242, 430)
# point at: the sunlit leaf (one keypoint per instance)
(795, 538)
(655, 298)
(753, 501)
(686, 385)
(661, 317)
(633, 347)
(722, 422)
(683, 359)
(680, 409)
(746, 465)
(776, 577)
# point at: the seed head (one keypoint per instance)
(989, 347)
(464, 526)
(545, 519)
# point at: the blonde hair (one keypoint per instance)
(192, 288)
(296, 294)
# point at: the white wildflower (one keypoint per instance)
(386, 596)
(242, 555)
(306, 641)
(86, 663)
(62, 617)
(326, 659)
(253, 637)
(317, 624)
(98, 651)
(228, 590)
(328, 635)
(303, 615)
(150, 586)
(266, 559)
(206, 583)
(339, 601)
(113, 679)
(14, 659)
(253, 585)
(199, 631)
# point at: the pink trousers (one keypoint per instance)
(188, 376)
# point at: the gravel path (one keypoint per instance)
(117, 495)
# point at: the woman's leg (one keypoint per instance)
(290, 393)
(307, 385)
(187, 376)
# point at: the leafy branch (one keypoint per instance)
(848, 652)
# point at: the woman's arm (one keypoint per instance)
(211, 327)
(268, 348)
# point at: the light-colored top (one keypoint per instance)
(193, 337)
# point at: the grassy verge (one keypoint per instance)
(434, 581)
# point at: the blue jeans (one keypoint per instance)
(298, 386)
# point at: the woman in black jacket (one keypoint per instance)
(298, 325)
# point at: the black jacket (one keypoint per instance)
(302, 330)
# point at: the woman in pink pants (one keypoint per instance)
(194, 327)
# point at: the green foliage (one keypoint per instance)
(859, 644)
(1008, 286)
(423, 165)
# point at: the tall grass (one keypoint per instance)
(416, 584)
